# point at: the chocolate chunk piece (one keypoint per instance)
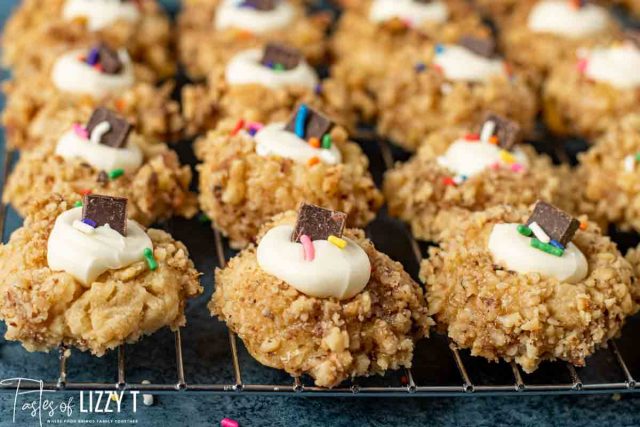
(485, 47)
(276, 53)
(106, 210)
(109, 60)
(509, 133)
(103, 178)
(119, 130)
(318, 223)
(262, 5)
(559, 225)
(633, 36)
(316, 124)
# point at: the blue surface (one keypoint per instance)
(207, 347)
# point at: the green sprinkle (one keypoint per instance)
(326, 141)
(545, 247)
(637, 157)
(278, 67)
(203, 218)
(77, 204)
(151, 261)
(116, 173)
(524, 230)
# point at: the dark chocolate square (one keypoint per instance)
(318, 223)
(559, 225)
(106, 210)
(509, 133)
(485, 47)
(120, 127)
(316, 124)
(276, 53)
(262, 5)
(109, 60)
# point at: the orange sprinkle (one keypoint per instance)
(494, 140)
(84, 192)
(238, 127)
(583, 225)
(313, 161)
(120, 105)
(314, 142)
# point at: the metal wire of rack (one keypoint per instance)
(408, 384)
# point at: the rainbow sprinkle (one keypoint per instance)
(307, 246)
(80, 130)
(116, 173)
(301, 118)
(341, 243)
(326, 141)
(151, 261)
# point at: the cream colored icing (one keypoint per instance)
(513, 251)
(562, 18)
(231, 15)
(619, 66)
(471, 158)
(70, 74)
(409, 10)
(100, 156)
(460, 64)
(274, 140)
(333, 273)
(101, 13)
(86, 256)
(245, 68)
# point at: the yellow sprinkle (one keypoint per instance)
(338, 242)
(507, 157)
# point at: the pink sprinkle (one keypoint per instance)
(495, 166)
(255, 125)
(307, 245)
(80, 131)
(517, 167)
(228, 422)
(582, 65)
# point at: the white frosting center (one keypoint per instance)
(245, 68)
(87, 256)
(231, 15)
(101, 13)
(564, 19)
(471, 158)
(460, 64)
(100, 156)
(333, 273)
(513, 251)
(273, 140)
(619, 66)
(70, 74)
(411, 11)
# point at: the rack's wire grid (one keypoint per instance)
(407, 386)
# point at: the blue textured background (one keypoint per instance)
(203, 410)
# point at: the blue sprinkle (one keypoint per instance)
(420, 67)
(253, 131)
(93, 57)
(301, 119)
(439, 49)
(246, 4)
(90, 222)
(318, 89)
(556, 244)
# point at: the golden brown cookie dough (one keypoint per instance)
(44, 309)
(329, 339)
(37, 34)
(608, 177)
(365, 52)
(526, 318)
(37, 108)
(496, 10)
(240, 190)
(158, 190)
(202, 48)
(415, 103)
(535, 53)
(576, 105)
(203, 105)
(422, 192)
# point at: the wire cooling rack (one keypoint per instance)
(439, 367)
